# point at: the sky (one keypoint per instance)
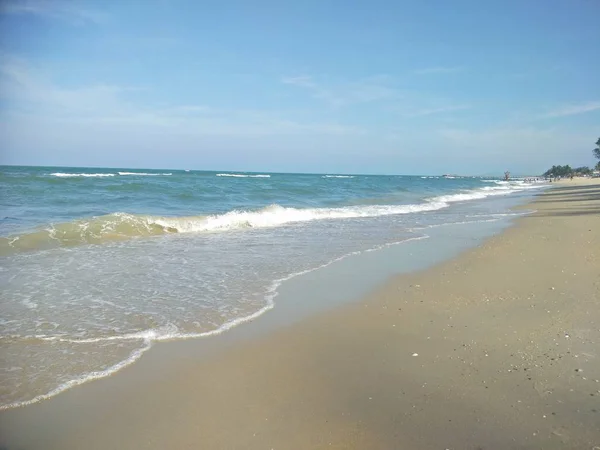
(378, 86)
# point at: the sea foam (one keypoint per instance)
(241, 175)
(144, 174)
(120, 225)
(73, 175)
(171, 333)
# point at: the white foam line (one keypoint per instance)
(467, 222)
(240, 175)
(133, 357)
(514, 214)
(158, 335)
(66, 175)
(100, 175)
(144, 174)
(150, 336)
(267, 217)
(493, 218)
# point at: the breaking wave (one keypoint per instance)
(121, 226)
(102, 175)
(241, 175)
(144, 174)
(73, 175)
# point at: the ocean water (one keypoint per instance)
(96, 265)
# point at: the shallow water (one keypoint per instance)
(97, 264)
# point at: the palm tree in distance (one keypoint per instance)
(596, 152)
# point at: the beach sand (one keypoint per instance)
(498, 348)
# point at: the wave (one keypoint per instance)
(68, 175)
(338, 176)
(171, 332)
(144, 174)
(486, 191)
(121, 226)
(241, 175)
(516, 182)
(473, 195)
(133, 357)
(101, 175)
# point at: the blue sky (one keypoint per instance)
(467, 86)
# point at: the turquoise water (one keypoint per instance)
(98, 264)
(127, 203)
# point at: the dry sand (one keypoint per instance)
(496, 349)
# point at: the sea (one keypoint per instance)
(99, 264)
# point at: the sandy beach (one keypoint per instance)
(495, 349)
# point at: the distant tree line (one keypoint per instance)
(596, 152)
(567, 171)
(583, 170)
(559, 171)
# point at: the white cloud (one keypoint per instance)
(70, 118)
(522, 146)
(189, 110)
(303, 81)
(440, 110)
(66, 11)
(371, 89)
(438, 70)
(28, 90)
(571, 110)
(30, 95)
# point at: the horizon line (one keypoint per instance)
(488, 174)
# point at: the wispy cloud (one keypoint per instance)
(511, 140)
(190, 110)
(53, 9)
(438, 70)
(440, 110)
(530, 148)
(27, 90)
(302, 81)
(30, 95)
(572, 110)
(339, 95)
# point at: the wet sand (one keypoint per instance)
(498, 348)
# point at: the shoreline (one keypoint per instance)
(368, 268)
(291, 308)
(347, 376)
